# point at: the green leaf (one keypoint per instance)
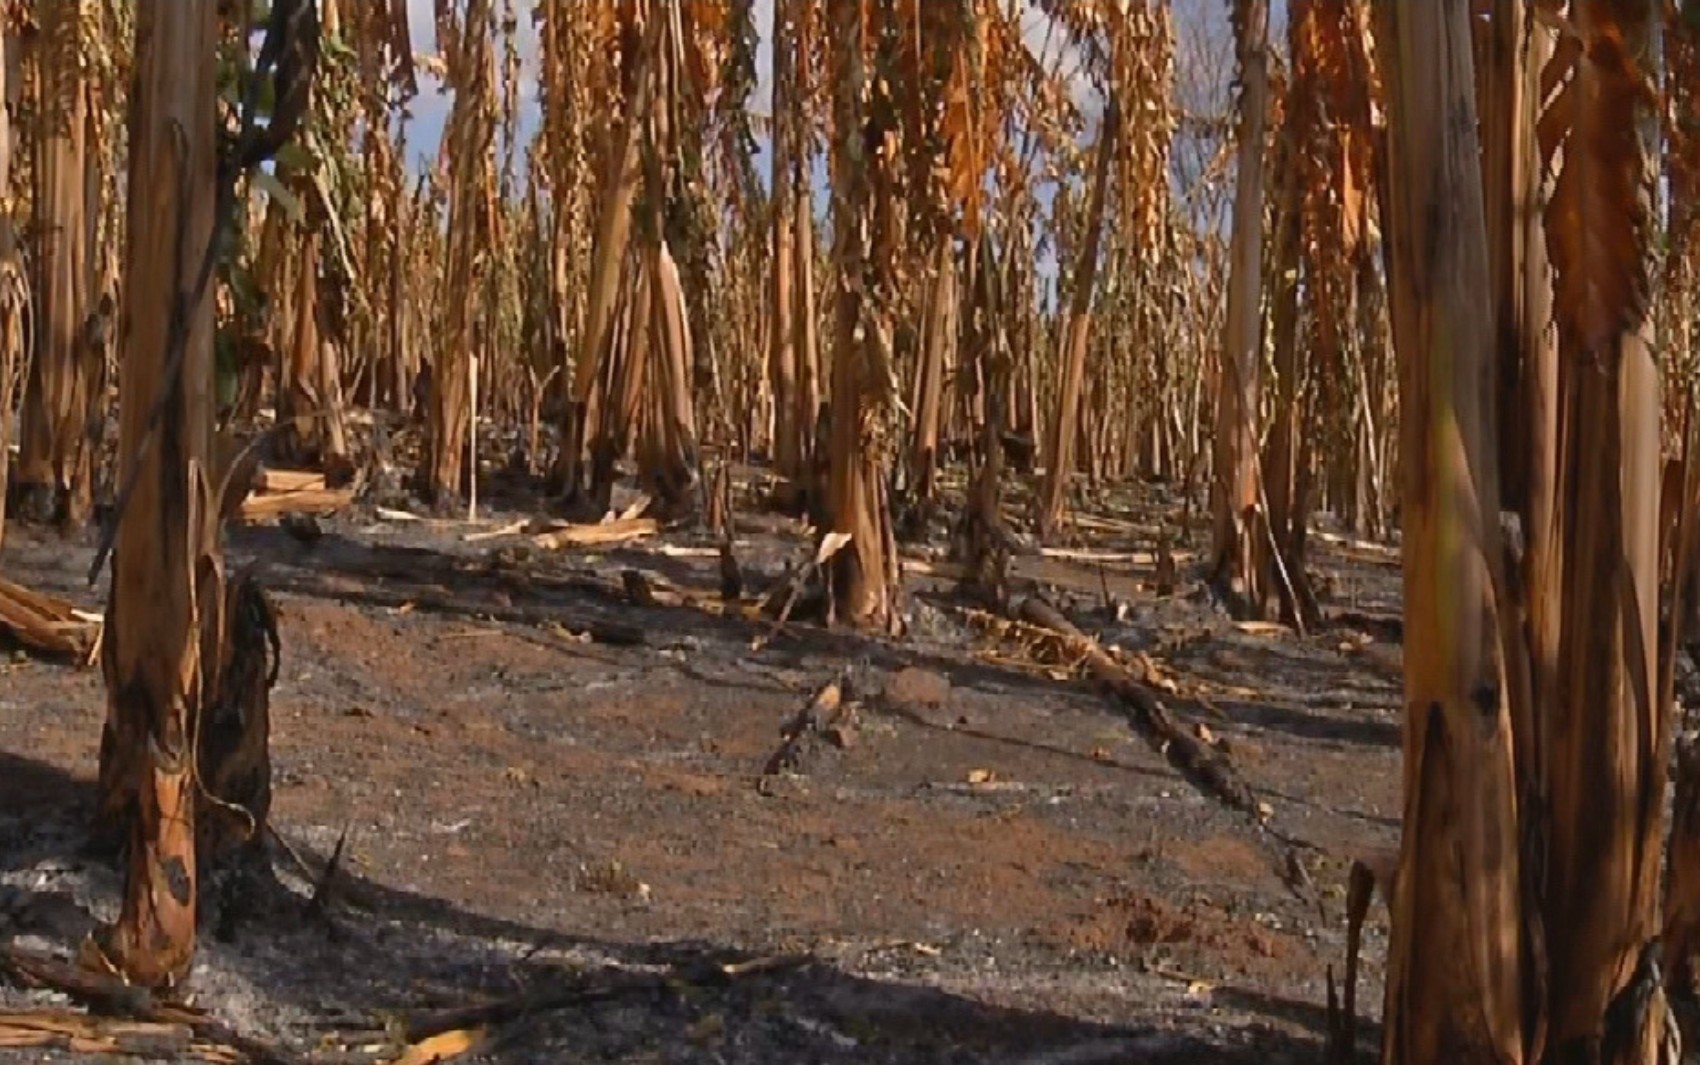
(339, 239)
(267, 182)
(337, 48)
(226, 373)
(294, 156)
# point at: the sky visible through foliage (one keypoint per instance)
(1204, 67)
(1202, 24)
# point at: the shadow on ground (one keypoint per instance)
(338, 568)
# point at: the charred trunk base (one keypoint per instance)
(981, 542)
(1297, 595)
(234, 744)
(231, 777)
(153, 942)
(565, 479)
(985, 554)
(865, 589)
(1240, 573)
(789, 497)
(67, 508)
(36, 503)
(914, 516)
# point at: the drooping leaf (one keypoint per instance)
(1599, 219)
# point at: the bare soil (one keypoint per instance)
(991, 865)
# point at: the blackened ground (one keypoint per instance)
(996, 868)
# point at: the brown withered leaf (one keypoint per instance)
(1598, 219)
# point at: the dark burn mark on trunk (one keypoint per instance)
(177, 879)
(1486, 697)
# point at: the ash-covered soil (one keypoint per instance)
(987, 864)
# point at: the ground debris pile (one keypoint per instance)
(122, 1019)
(277, 493)
(80, 1033)
(1045, 632)
(828, 719)
(47, 624)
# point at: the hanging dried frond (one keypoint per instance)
(1599, 219)
(1144, 73)
(1086, 24)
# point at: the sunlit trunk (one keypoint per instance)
(1286, 460)
(936, 340)
(54, 468)
(306, 396)
(1609, 738)
(985, 556)
(805, 326)
(782, 359)
(1565, 766)
(1060, 447)
(668, 440)
(14, 295)
(1455, 958)
(468, 142)
(1514, 51)
(1239, 553)
(621, 175)
(864, 573)
(165, 570)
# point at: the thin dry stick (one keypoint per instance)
(319, 903)
(472, 439)
(1279, 559)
